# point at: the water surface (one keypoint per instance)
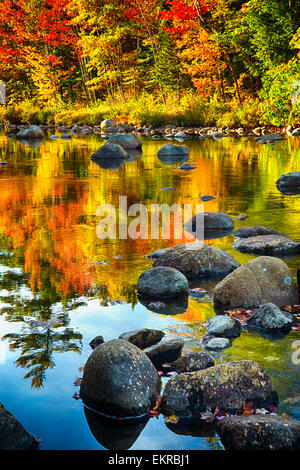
(60, 285)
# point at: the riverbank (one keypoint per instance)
(190, 111)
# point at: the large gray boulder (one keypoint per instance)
(127, 141)
(227, 385)
(162, 282)
(262, 280)
(289, 183)
(259, 432)
(274, 245)
(119, 380)
(197, 260)
(209, 225)
(110, 151)
(13, 436)
(271, 318)
(32, 132)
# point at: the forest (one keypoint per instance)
(213, 62)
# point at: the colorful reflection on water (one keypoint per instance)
(61, 285)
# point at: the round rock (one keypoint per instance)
(110, 151)
(127, 141)
(197, 260)
(119, 380)
(289, 183)
(262, 280)
(224, 325)
(162, 282)
(275, 245)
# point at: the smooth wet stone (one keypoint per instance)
(206, 198)
(258, 230)
(66, 136)
(215, 344)
(172, 150)
(223, 325)
(193, 361)
(259, 432)
(275, 245)
(127, 141)
(226, 385)
(157, 253)
(162, 282)
(110, 151)
(54, 137)
(262, 280)
(13, 436)
(165, 351)
(32, 132)
(270, 317)
(187, 166)
(107, 124)
(143, 338)
(114, 434)
(119, 380)
(96, 341)
(209, 225)
(198, 260)
(268, 138)
(289, 183)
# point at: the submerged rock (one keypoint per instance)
(187, 166)
(143, 338)
(119, 380)
(13, 436)
(289, 183)
(165, 351)
(162, 282)
(206, 198)
(209, 225)
(216, 344)
(224, 325)
(193, 361)
(261, 280)
(197, 260)
(227, 385)
(259, 432)
(270, 317)
(275, 245)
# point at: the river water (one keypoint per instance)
(61, 285)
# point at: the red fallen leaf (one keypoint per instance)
(218, 412)
(155, 410)
(248, 409)
(297, 328)
(76, 396)
(272, 408)
(208, 420)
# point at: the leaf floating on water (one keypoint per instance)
(285, 416)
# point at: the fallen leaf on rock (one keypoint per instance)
(248, 409)
(285, 416)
